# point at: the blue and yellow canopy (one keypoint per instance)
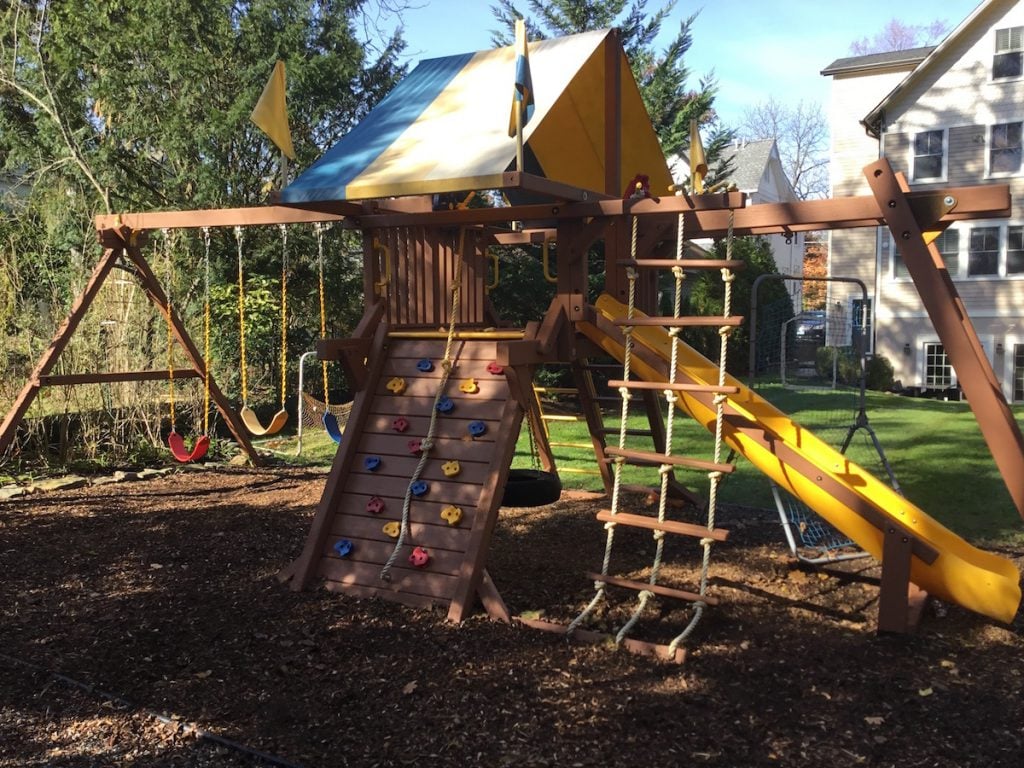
(444, 128)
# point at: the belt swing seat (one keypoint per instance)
(331, 424)
(175, 442)
(249, 417)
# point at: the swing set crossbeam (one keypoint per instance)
(73, 379)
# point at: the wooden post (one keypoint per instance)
(953, 326)
(612, 114)
(159, 299)
(60, 340)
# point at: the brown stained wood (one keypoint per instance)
(554, 189)
(404, 579)
(490, 388)
(469, 352)
(731, 264)
(893, 602)
(439, 536)
(655, 459)
(335, 349)
(220, 217)
(393, 444)
(662, 386)
(669, 526)
(336, 483)
(404, 464)
(420, 406)
(103, 378)
(443, 562)
(460, 494)
(680, 322)
(658, 589)
(487, 512)
(492, 600)
(60, 340)
(639, 647)
(450, 429)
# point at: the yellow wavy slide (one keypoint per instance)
(841, 492)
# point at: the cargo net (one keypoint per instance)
(313, 411)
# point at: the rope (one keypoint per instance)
(715, 477)
(284, 313)
(170, 332)
(428, 442)
(624, 394)
(241, 317)
(206, 331)
(319, 229)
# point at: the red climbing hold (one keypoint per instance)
(419, 557)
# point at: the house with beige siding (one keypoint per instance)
(948, 115)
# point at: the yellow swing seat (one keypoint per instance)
(252, 422)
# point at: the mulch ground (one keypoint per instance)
(128, 601)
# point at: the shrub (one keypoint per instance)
(880, 374)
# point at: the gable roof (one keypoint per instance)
(444, 128)
(872, 121)
(886, 60)
(749, 161)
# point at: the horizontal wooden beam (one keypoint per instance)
(639, 647)
(652, 458)
(680, 322)
(661, 386)
(657, 589)
(220, 217)
(733, 264)
(112, 376)
(669, 526)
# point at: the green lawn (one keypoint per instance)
(934, 447)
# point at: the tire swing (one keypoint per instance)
(531, 487)
(249, 417)
(175, 442)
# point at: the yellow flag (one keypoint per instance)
(698, 165)
(271, 113)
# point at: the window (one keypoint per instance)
(948, 244)
(1008, 60)
(1018, 372)
(929, 151)
(1004, 148)
(1014, 250)
(983, 252)
(938, 373)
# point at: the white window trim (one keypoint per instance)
(1009, 342)
(912, 162)
(965, 252)
(989, 173)
(992, 60)
(922, 363)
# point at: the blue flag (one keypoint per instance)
(522, 94)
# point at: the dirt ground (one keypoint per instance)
(161, 597)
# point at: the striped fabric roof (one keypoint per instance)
(444, 128)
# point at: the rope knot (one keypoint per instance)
(426, 444)
(728, 275)
(719, 399)
(664, 469)
(609, 525)
(715, 475)
(677, 273)
(706, 542)
(673, 332)
(670, 397)
(725, 331)
(625, 393)
(659, 535)
(631, 273)
(447, 365)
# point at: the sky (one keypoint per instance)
(756, 49)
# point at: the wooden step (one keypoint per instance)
(681, 322)
(668, 526)
(662, 386)
(650, 458)
(733, 264)
(640, 586)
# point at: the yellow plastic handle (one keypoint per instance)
(546, 261)
(383, 283)
(497, 275)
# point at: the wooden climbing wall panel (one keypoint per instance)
(384, 463)
(422, 272)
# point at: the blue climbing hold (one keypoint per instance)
(419, 488)
(424, 366)
(477, 428)
(343, 547)
(371, 463)
(445, 405)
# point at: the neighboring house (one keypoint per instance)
(757, 170)
(949, 115)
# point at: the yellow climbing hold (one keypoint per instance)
(392, 529)
(469, 386)
(396, 385)
(451, 468)
(451, 515)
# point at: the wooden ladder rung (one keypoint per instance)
(662, 386)
(680, 322)
(668, 526)
(640, 586)
(560, 417)
(649, 458)
(586, 446)
(733, 264)
(629, 432)
(578, 471)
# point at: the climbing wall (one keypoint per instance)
(453, 504)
